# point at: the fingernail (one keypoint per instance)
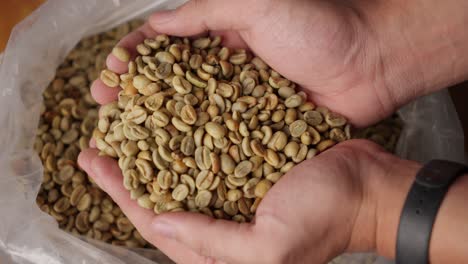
(164, 229)
(163, 17)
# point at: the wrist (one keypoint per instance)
(385, 184)
(394, 187)
(421, 45)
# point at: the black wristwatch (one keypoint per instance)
(421, 207)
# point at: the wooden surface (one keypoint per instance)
(12, 11)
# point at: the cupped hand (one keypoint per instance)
(324, 46)
(318, 210)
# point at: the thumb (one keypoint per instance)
(219, 239)
(199, 16)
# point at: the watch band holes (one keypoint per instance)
(418, 211)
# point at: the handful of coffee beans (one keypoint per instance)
(205, 128)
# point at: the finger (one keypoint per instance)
(129, 42)
(209, 237)
(92, 143)
(85, 157)
(198, 16)
(108, 176)
(102, 93)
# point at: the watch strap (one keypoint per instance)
(421, 207)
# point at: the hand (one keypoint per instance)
(320, 209)
(347, 55)
(321, 45)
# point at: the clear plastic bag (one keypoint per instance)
(36, 48)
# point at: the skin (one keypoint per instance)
(359, 58)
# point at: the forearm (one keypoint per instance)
(422, 44)
(449, 239)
